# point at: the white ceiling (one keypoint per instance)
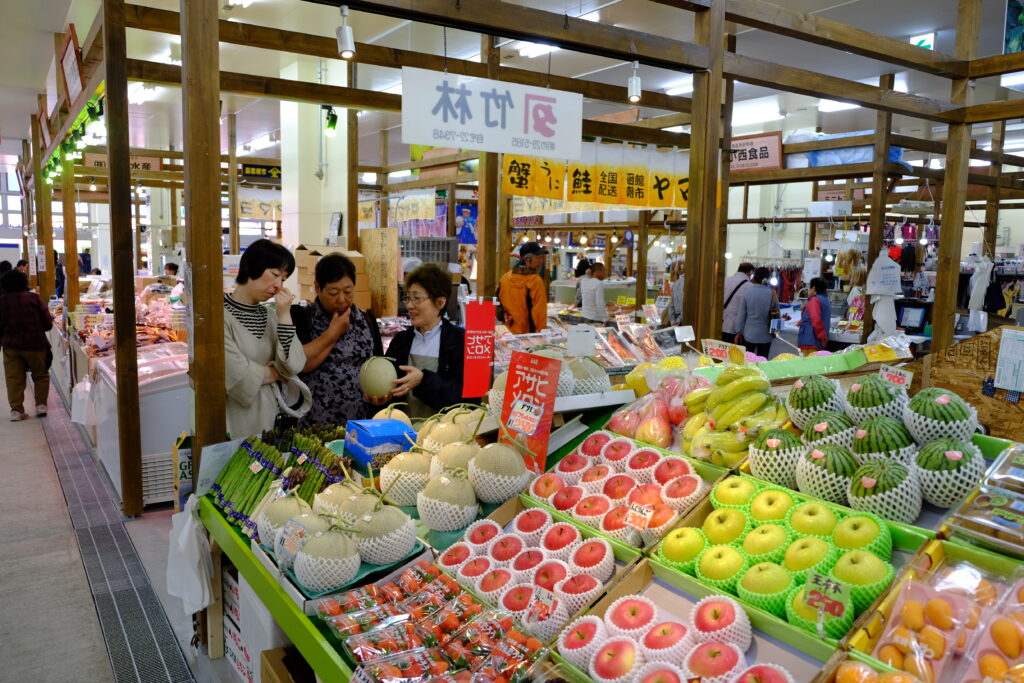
(27, 28)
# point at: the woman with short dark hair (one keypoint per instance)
(430, 354)
(260, 346)
(337, 338)
(24, 321)
(815, 319)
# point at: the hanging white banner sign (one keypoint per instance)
(449, 110)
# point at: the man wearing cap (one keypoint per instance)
(523, 293)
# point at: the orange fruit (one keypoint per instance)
(1020, 595)
(961, 640)
(932, 639)
(903, 639)
(896, 678)
(973, 616)
(1006, 636)
(855, 672)
(992, 666)
(891, 655)
(940, 613)
(986, 593)
(912, 614)
(918, 666)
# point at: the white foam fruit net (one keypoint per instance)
(630, 675)
(566, 381)
(404, 485)
(900, 504)
(686, 502)
(480, 549)
(591, 385)
(495, 400)
(652, 534)
(842, 438)
(627, 534)
(643, 475)
(495, 488)
(531, 539)
(904, 455)
(390, 547)
(893, 409)
(547, 629)
(924, 429)
(820, 483)
(635, 633)
(778, 466)
(946, 488)
(801, 417)
(266, 530)
(321, 574)
(727, 677)
(604, 569)
(737, 633)
(595, 485)
(580, 657)
(441, 516)
(574, 602)
(665, 660)
(564, 553)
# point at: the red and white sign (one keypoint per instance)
(755, 152)
(639, 516)
(529, 406)
(476, 373)
(92, 160)
(900, 378)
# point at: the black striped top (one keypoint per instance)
(253, 318)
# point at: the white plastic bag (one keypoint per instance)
(189, 565)
(83, 410)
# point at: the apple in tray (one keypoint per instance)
(646, 494)
(616, 659)
(546, 485)
(567, 498)
(735, 491)
(764, 673)
(724, 525)
(618, 486)
(813, 519)
(720, 562)
(860, 568)
(529, 521)
(642, 460)
(596, 473)
(495, 580)
(683, 544)
(549, 573)
(855, 532)
(665, 635)
(615, 519)
(671, 468)
(505, 547)
(616, 451)
(579, 584)
(475, 568)
(804, 553)
(483, 533)
(766, 578)
(714, 615)
(713, 659)
(594, 444)
(771, 505)
(590, 554)
(572, 466)
(559, 537)
(517, 598)
(629, 615)
(455, 555)
(592, 506)
(765, 539)
(664, 674)
(528, 559)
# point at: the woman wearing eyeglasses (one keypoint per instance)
(429, 354)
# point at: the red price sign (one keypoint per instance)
(529, 405)
(542, 606)
(716, 349)
(827, 595)
(822, 602)
(525, 417)
(897, 376)
(479, 357)
(639, 516)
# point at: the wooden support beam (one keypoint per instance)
(200, 99)
(234, 237)
(992, 204)
(716, 285)
(383, 205)
(352, 164)
(457, 179)
(821, 31)
(41, 205)
(954, 189)
(449, 208)
(666, 121)
(641, 261)
(631, 133)
(996, 65)
(446, 160)
(250, 35)
(879, 191)
(70, 222)
(994, 111)
(175, 218)
(123, 270)
(137, 216)
(487, 209)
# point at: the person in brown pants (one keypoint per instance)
(24, 321)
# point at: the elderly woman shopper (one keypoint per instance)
(24, 321)
(260, 345)
(337, 338)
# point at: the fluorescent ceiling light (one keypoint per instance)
(399, 174)
(140, 93)
(531, 50)
(755, 111)
(980, 162)
(591, 16)
(680, 88)
(835, 105)
(256, 144)
(673, 129)
(1011, 80)
(369, 178)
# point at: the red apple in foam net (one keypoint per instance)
(632, 614)
(495, 580)
(484, 533)
(618, 486)
(547, 485)
(517, 598)
(567, 498)
(682, 486)
(643, 459)
(624, 423)
(655, 430)
(592, 445)
(593, 505)
(590, 554)
(531, 520)
(580, 635)
(597, 473)
(762, 673)
(664, 635)
(662, 515)
(712, 659)
(617, 450)
(548, 574)
(455, 555)
(615, 659)
(559, 536)
(527, 559)
(506, 547)
(714, 616)
(661, 676)
(615, 519)
(646, 494)
(669, 469)
(578, 585)
(478, 566)
(574, 462)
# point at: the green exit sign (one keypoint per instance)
(925, 40)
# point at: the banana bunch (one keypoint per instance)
(728, 414)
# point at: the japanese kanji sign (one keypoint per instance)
(529, 404)
(490, 116)
(92, 160)
(259, 208)
(261, 171)
(756, 152)
(826, 594)
(477, 370)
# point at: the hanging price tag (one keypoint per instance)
(685, 334)
(639, 516)
(524, 417)
(897, 376)
(542, 606)
(580, 341)
(293, 535)
(827, 595)
(718, 350)
(623, 320)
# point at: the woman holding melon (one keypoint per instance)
(260, 346)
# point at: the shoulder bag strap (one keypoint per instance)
(729, 300)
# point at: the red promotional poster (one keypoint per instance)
(476, 375)
(529, 406)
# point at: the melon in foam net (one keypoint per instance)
(377, 376)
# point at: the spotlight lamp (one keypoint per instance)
(92, 184)
(633, 85)
(332, 123)
(346, 40)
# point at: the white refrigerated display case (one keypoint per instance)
(164, 400)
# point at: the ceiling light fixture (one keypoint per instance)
(681, 87)
(92, 184)
(834, 105)
(531, 50)
(923, 241)
(583, 238)
(752, 112)
(332, 123)
(346, 40)
(728, 255)
(615, 239)
(633, 85)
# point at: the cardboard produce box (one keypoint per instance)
(284, 665)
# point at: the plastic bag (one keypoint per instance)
(189, 565)
(83, 410)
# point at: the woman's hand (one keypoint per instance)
(283, 304)
(340, 323)
(272, 375)
(738, 339)
(377, 400)
(412, 379)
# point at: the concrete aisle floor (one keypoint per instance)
(49, 631)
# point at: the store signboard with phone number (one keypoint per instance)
(450, 110)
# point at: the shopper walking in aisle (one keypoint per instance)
(593, 308)
(675, 312)
(337, 338)
(815, 319)
(523, 293)
(58, 268)
(758, 307)
(22, 266)
(581, 273)
(733, 285)
(430, 355)
(260, 345)
(171, 269)
(24, 322)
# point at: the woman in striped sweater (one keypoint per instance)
(260, 346)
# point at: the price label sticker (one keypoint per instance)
(897, 376)
(581, 340)
(827, 595)
(639, 516)
(256, 466)
(621, 301)
(524, 417)
(623, 320)
(685, 334)
(302, 458)
(715, 349)
(292, 537)
(542, 606)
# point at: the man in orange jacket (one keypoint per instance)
(523, 294)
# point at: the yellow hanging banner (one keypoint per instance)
(660, 193)
(580, 184)
(549, 179)
(635, 165)
(517, 177)
(608, 172)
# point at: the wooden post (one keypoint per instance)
(39, 187)
(487, 208)
(175, 218)
(954, 189)
(879, 192)
(70, 235)
(504, 235)
(641, 260)
(352, 204)
(234, 238)
(383, 181)
(121, 239)
(137, 214)
(629, 258)
(609, 252)
(717, 284)
(704, 253)
(200, 95)
(992, 204)
(449, 207)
